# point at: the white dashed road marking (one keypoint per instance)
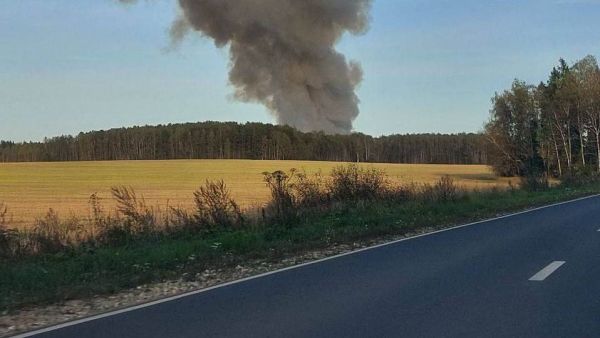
(547, 271)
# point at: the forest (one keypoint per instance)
(551, 129)
(230, 140)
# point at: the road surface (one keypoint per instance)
(533, 274)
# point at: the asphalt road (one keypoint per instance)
(534, 274)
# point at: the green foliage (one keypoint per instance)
(513, 132)
(257, 141)
(549, 130)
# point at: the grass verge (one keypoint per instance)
(84, 272)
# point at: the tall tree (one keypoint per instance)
(513, 130)
(587, 74)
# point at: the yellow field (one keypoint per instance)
(30, 189)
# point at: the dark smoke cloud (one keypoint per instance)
(283, 54)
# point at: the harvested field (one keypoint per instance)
(30, 189)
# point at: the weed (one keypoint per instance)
(352, 182)
(7, 236)
(535, 183)
(282, 203)
(215, 207)
(138, 216)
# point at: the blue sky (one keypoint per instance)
(430, 65)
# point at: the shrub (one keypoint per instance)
(401, 193)
(46, 235)
(51, 234)
(3, 215)
(282, 197)
(215, 207)
(104, 228)
(309, 191)
(443, 190)
(352, 182)
(178, 217)
(579, 177)
(139, 218)
(446, 189)
(97, 218)
(534, 182)
(8, 237)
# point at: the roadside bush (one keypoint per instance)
(446, 189)
(580, 177)
(442, 191)
(46, 235)
(51, 234)
(97, 217)
(352, 182)
(8, 237)
(309, 191)
(178, 217)
(215, 207)
(282, 205)
(535, 183)
(401, 193)
(104, 228)
(139, 218)
(3, 215)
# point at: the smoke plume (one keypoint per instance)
(283, 55)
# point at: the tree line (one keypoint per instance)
(258, 141)
(552, 129)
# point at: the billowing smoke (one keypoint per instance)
(283, 55)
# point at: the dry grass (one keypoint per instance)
(30, 189)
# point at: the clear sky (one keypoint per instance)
(430, 65)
